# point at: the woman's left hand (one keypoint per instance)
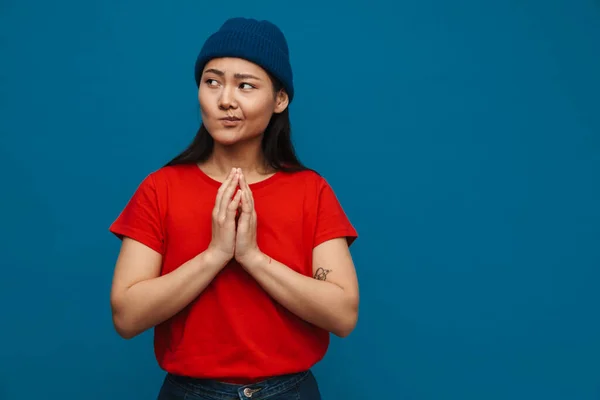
(246, 248)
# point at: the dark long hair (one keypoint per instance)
(276, 144)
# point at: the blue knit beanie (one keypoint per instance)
(260, 42)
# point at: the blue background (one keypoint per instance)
(462, 138)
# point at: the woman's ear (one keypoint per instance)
(282, 100)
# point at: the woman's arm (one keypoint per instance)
(328, 300)
(141, 298)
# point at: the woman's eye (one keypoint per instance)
(246, 86)
(211, 82)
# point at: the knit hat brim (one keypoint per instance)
(251, 47)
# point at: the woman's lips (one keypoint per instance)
(230, 121)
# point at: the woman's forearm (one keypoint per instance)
(150, 302)
(321, 303)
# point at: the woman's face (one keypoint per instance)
(237, 100)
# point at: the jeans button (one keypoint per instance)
(248, 392)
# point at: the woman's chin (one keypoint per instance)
(227, 140)
(226, 137)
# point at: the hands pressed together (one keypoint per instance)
(234, 222)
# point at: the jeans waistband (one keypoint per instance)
(220, 390)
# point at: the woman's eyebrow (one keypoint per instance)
(236, 76)
(215, 71)
(246, 76)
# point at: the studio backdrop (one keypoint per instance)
(462, 139)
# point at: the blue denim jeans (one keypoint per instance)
(300, 386)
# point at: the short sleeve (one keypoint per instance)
(332, 221)
(141, 219)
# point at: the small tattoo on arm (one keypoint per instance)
(321, 274)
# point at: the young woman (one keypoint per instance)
(234, 252)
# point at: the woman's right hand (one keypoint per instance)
(222, 244)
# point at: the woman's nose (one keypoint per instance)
(227, 99)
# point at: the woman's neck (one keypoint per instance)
(223, 159)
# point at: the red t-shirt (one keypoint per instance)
(234, 331)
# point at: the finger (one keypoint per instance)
(253, 212)
(243, 183)
(247, 190)
(246, 206)
(233, 205)
(244, 219)
(227, 194)
(251, 197)
(249, 200)
(221, 190)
